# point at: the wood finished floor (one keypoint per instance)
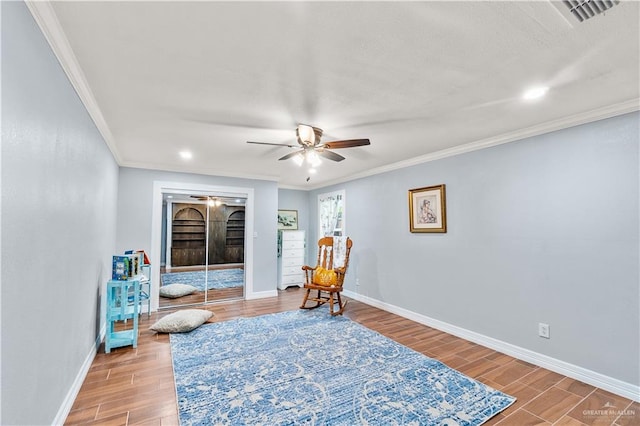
(135, 386)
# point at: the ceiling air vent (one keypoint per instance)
(585, 9)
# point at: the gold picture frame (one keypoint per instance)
(427, 209)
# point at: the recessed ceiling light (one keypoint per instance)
(186, 155)
(535, 93)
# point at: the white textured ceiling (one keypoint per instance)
(419, 79)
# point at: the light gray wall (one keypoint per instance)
(540, 230)
(293, 199)
(135, 205)
(59, 184)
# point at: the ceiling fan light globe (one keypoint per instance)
(313, 158)
(298, 159)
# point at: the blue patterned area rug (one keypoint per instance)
(217, 278)
(308, 367)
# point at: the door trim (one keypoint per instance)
(162, 187)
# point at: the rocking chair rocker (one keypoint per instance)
(326, 279)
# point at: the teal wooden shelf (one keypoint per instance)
(122, 338)
(123, 303)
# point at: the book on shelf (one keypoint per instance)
(136, 260)
(121, 268)
(145, 258)
(135, 264)
(127, 266)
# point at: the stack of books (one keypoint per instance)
(129, 265)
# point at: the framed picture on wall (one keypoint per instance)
(427, 209)
(331, 214)
(288, 219)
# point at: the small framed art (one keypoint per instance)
(427, 209)
(288, 219)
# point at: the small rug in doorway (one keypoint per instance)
(308, 367)
(217, 278)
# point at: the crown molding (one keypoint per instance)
(46, 19)
(198, 171)
(609, 111)
(294, 187)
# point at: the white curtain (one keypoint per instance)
(339, 251)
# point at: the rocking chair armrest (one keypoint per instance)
(308, 273)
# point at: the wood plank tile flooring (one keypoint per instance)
(135, 386)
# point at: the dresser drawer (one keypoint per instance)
(293, 261)
(293, 244)
(292, 235)
(293, 279)
(292, 270)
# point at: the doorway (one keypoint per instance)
(201, 239)
(203, 249)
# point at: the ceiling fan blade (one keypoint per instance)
(291, 154)
(274, 144)
(330, 155)
(349, 143)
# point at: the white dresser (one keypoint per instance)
(291, 259)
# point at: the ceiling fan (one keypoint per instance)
(312, 149)
(212, 201)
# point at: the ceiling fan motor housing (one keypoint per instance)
(303, 132)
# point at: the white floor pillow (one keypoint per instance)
(173, 291)
(182, 321)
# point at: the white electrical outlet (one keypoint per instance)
(357, 282)
(543, 330)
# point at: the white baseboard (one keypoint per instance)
(593, 378)
(70, 398)
(261, 294)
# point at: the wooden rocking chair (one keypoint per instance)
(328, 291)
